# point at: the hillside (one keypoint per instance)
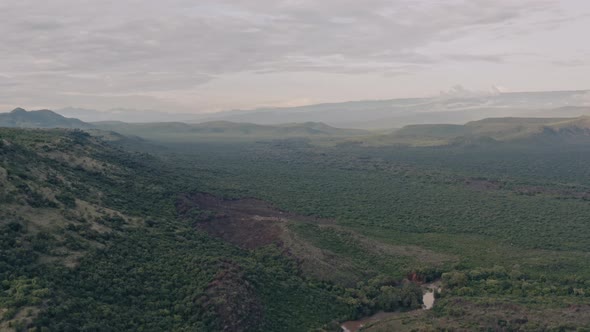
(52, 210)
(96, 237)
(20, 118)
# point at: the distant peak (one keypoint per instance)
(18, 110)
(46, 111)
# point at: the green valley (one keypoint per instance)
(105, 232)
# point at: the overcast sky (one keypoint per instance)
(208, 55)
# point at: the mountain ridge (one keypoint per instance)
(226, 129)
(21, 118)
(489, 130)
(377, 114)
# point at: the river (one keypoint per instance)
(427, 299)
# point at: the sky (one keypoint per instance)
(196, 56)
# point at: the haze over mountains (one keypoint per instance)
(490, 131)
(20, 118)
(123, 115)
(535, 130)
(457, 107)
(224, 129)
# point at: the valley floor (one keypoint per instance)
(113, 234)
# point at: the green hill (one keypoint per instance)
(20, 118)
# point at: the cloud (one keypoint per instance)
(141, 47)
(582, 99)
(494, 58)
(571, 62)
(458, 91)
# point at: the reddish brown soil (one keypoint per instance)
(245, 233)
(248, 223)
(415, 277)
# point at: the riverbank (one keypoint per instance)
(428, 299)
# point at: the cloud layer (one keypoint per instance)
(157, 54)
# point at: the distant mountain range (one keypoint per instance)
(509, 129)
(378, 114)
(39, 119)
(125, 115)
(501, 129)
(179, 131)
(397, 113)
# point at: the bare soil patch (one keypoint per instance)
(252, 223)
(248, 223)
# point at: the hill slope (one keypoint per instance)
(94, 238)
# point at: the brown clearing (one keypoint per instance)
(252, 223)
(248, 223)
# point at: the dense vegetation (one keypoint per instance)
(91, 241)
(517, 210)
(91, 238)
